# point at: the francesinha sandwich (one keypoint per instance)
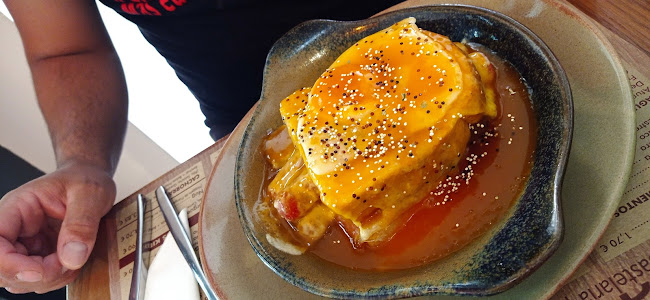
(378, 132)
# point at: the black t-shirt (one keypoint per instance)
(218, 47)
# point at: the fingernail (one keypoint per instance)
(63, 270)
(74, 255)
(29, 276)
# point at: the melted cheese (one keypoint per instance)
(385, 123)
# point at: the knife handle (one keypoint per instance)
(183, 241)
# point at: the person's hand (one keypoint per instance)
(48, 227)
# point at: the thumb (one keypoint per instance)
(79, 227)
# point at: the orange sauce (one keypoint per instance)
(434, 230)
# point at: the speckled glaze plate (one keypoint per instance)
(602, 100)
(517, 244)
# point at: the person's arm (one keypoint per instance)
(48, 226)
(78, 78)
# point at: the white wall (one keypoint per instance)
(159, 103)
(23, 130)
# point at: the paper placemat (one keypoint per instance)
(185, 185)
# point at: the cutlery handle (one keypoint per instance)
(139, 271)
(183, 241)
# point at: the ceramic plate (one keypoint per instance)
(515, 246)
(602, 100)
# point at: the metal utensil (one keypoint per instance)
(138, 280)
(183, 241)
